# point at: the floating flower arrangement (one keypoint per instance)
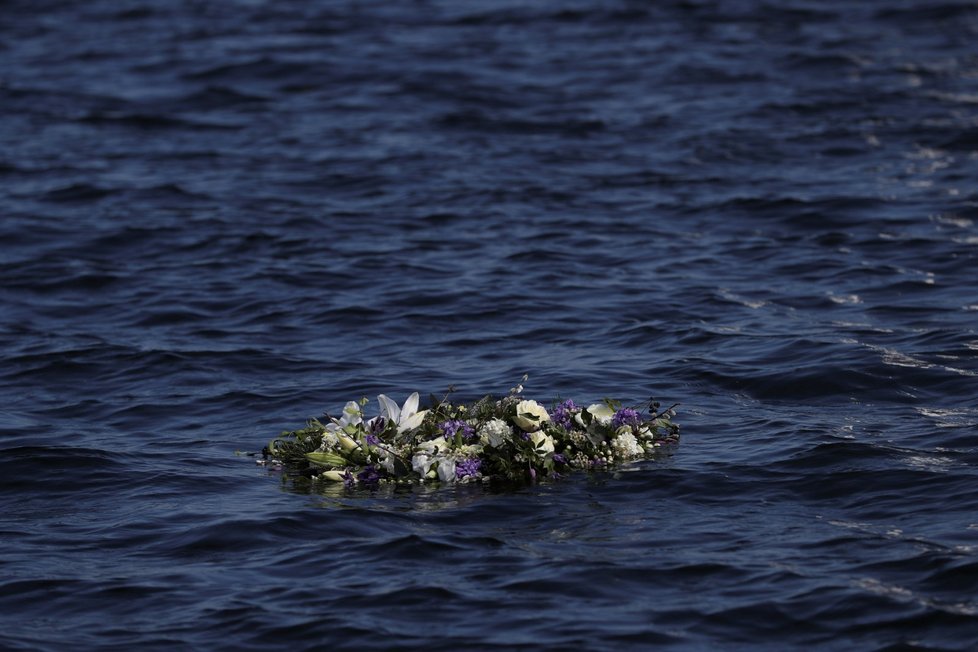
(512, 439)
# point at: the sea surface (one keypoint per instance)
(220, 219)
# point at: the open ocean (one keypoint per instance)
(219, 219)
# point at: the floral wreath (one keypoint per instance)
(509, 439)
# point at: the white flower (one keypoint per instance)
(386, 459)
(421, 463)
(330, 440)
(602, 414)
(350, 420)
(406, 417)
(495, 433)
(625, 444)
(530, 415)
(446, 469)
(544, 443)
(433, 446)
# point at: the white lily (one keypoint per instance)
(406, 417)
(351, 417)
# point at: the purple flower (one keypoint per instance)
(369, 475)
(626, 417)
(562, 414)
(372, 440)
(453, 426)
(468, 467)
(559, 458)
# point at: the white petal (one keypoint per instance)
(410, 405)
(601, 412)
(351, 414)
(446, 470)
(412, 422)
(389, 409)
(420, 463)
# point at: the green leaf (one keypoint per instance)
(401, 469)
(586, 417)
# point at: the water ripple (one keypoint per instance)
(223, 219)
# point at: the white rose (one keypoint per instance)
(530, 415)
(544, 443)
(601, 413)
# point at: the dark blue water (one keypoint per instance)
(220, 219)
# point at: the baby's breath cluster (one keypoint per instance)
(508, 439)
